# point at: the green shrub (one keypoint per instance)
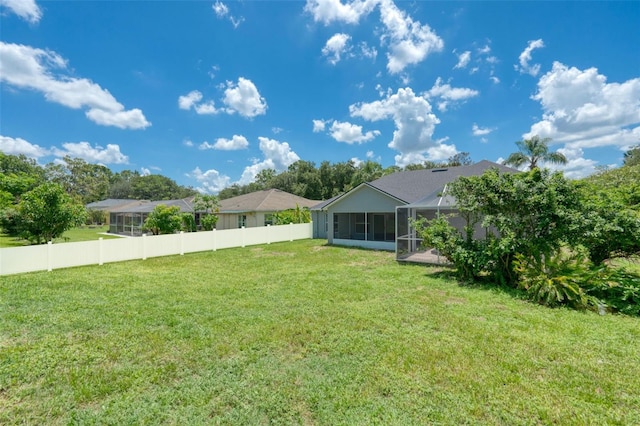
(618, 289)
(557, 279)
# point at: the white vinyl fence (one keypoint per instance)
(16, 260)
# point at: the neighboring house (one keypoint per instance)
(111, 204)
(129, 218)
(376, 214)
(257, 208)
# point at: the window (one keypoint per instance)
(242, 220)
(268, 219)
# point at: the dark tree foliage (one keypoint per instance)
(86, 181)
(158, 187)
(632, 156)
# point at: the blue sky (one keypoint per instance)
(210, 93)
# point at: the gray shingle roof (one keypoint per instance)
(110, 203)
(414, 185)
(270, 200)
(148, 206)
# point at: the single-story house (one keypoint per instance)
(129, 218)
(111, 204)
(248, 210)
(376, 214)
(257, 208)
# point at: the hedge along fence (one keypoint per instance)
(47, 257)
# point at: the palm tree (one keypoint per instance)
(534, 150)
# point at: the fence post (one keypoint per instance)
(100, 261)
(268, 234)
(290, 231)
(181, 243)
(215, 240)
(49, 256)
(243, 231)
(144, 246)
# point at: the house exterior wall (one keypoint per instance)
(364, 200)
(319, 219)
(230, 220)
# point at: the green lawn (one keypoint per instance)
(84, 233)
(302, 333)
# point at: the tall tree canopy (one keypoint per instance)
(532, 151)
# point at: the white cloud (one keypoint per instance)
(26, 9)
(206, 108)
(92, 154)
(577, 166)
(211, 181)
(319, 126)
(335, 47)
(368, 52)
(278, 152)
(485, 50)
(144, 171)
(192, 100)
(441, 152)
(221, 10)
(327, 11)
(582, 110)
(480, 131)
(189, 100)
(277, 130)
(463, 59)
(413, 119)
(187, 142)
(277, 156)
(494, 79)
(525, 57)
(244, 99)
(17, 146)
(132, 119)
(356, 161)
(351, 133)
(235, 143)
(409, 41)
(448, 94)
(30, 68)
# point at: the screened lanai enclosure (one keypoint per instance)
(364, 226)
(127, 223)
(409, 245)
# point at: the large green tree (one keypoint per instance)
(46, 212)
(89, 182)
(530, 214)
(532, 151)
(158, 187)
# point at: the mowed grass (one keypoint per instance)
(302, 333)
(83, 233)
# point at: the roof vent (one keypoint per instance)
(439, 170)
